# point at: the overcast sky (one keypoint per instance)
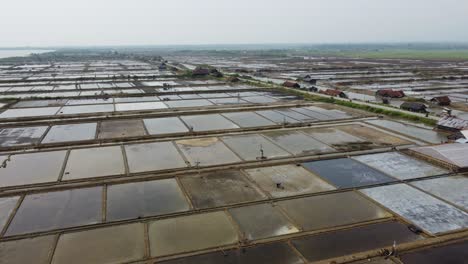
(160, 22)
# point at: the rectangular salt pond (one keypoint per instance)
(38, 250)
(334, 114)
(135, 99)
(153, 156)
(121, 128)
(287, 180)
(124, 85)
(191, 233)
(277, 117)
(456, 154)
(18, 170)
(214, 95)
(332, 210)
(347, 173)
(29, 112)
(208, 122)
(170, 97)
(7, 205)
(310, 112)
(55, 210)
(89, 86)
(188, 103)
(298, 143)
(333, 136)
(140, 106)
(454, 253)
(94, 162)
(40, 103)
(271, 253)
(43, 88)
(453, 189)
(122, 243)
(261, 221)
(165, 125)
(259, 99)
(335, 244)
(139, 199)
(251, 146)
(423, 210)
(71, 132)
(86, 109)
(248, 119)
(227, 101)
(190, 96)
(219, 189)
(411, 131)
(296, 115)
(106, 85)
(206, 152)
(373, 135)
(400, 166)
(17, 136)
(66, 87)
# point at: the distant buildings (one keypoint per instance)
(202, 71)
(162, 66)
(199, 71)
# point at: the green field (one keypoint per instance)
(458, 54)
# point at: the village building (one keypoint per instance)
(291, 84)
(414, 107)
(441, 100)
(390, 93)
(334, 93)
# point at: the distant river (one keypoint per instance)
(19, 53)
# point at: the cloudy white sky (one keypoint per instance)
(160, 22)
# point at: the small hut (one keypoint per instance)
(441, 100)
(291, 84)
(414, 107)
(334, 93)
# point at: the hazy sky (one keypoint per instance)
(148, 22)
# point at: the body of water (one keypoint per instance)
(19, 53)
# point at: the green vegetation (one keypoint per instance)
(457, 54)
(413, 99)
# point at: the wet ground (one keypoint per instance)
(204, 171)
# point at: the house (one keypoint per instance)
(200, 71)
(216, 73)
(233, 79)
(309, 79)
(312, 89)
(162, 66)
(291, 84)
(441, 100)
(414, 107)
(464, 138)
(335, 93)
(453, 124)
(390, 93)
